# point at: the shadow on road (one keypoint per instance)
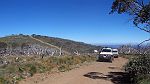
(106, 61)
(115, 77)
(113, 67)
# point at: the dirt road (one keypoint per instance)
(95, 73)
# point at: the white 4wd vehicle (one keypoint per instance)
(106, 54)
(115, 53)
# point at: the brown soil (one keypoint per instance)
(95, 73)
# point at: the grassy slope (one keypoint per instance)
(66, 45)
(20, 39)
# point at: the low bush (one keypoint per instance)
(139, 68)
(144, 81)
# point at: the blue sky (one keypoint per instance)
(80, 20)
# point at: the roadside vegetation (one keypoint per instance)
(13, 69)
(21, 56)
(139, 10)
(138, 68)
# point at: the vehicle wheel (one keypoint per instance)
(111, 59)
(115, 56)
(99, 60)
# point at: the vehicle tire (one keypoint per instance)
(98, 60)
(115, 56)
(110, 60)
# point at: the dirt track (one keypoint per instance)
(95, 73)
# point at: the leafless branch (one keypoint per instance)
(148, 31)
(144, 41)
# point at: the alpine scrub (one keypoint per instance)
(139, 69)
(18, 68)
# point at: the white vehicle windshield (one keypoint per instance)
(115, 51)
(106, 50)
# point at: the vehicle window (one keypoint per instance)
(115, 51)
(106, 50)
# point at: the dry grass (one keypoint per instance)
(14, 69)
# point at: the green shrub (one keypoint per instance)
(4, 81)
(63, 68)
(32, 70)
(144, 81)
(139, 68)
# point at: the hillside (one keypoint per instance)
(42, 45)
(68, 45)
